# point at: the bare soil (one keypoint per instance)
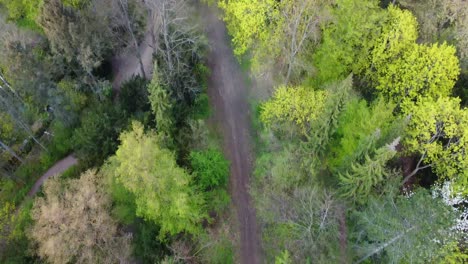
(228, 95)
(126, 65)
(58, 168)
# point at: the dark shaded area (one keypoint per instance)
(104, 70)
(461, 88)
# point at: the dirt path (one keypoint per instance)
(58, 168)
(228, 95)
(126, 65)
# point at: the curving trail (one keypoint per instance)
(228, 95)
(58, 168)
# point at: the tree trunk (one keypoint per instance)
(124, 6)
(382, 247)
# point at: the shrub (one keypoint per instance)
(210, 167)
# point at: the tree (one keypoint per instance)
(76, 35)
(162, 190)
(161, 106)
(180, 50)
(362, 178)
(279, 34)
(361, 130)
(133, 95)
(72, 223)
(293, 105)
(402, 69)
(178, 83)
(23, 12)
(420, 71)
(97, 137)
(28, 74)
(348, 39)
(210, 167)
(442, 20)
(247, 21)
(326, 124)
(437, 132)
(398, 35)
(395, 230)
(128, 13)
(305, 223)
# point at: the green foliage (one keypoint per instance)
(217, 200)
(420, 71)
(146, 246)
(6, 127)
(210, 167)
(248, 21)
(23, 12)
(361, 128)
(348, 40)
(437, 131)
(97, 136)
(451, 253)
(124, 207)
(281, 169)
(61, 143)
(77, 99)
(293, 105)
(162, 189)
(76, 3)
(326, 124)
(201, 108)
(362, 178)
(217, 248)
(17, 249)
(161, 105)
(133, 96)
(6, 218)
(398, 35)
(400, 230)
(283, 258)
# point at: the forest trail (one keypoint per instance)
(58, 168)
(126, 65)
(228, 95)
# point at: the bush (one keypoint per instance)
(97, 137)
(210, 167)
(201, 109)
(134, 96)
(147, 248)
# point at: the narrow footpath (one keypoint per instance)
(228, 95)
(58, 168)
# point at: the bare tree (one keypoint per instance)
(72, 222)
(180, 46)
(127, 14)
(300, 27)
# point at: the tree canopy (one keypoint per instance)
(161, 188)
(72, 223)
